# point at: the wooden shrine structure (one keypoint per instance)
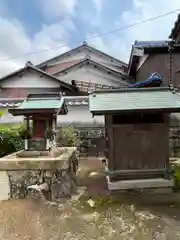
(40, 114)
(137, 135)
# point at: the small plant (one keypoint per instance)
(176, 187)
(24, 133)
(1, 113)
(10, 140)
(67, 136)
(49, 134)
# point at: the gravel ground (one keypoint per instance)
(111, 217)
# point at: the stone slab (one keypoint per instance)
(5, 192)
(139, 184)
(12, 162)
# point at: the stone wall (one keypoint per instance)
(60, 183)
(52, 181)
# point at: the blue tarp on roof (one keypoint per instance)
(154, 80)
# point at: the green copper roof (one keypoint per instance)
(134, 99)
(42, 104)
(32, 104)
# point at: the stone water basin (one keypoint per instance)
(24, 172)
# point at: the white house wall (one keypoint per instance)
(79, 115)
(30, 80)
(88, 73)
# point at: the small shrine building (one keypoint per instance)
(137, 135)
(40, 114)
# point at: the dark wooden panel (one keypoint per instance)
(145, 147)
(110, 144)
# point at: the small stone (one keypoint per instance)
(48, 174)
(92, 174)
(91, 203)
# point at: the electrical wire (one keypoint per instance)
(94, 37)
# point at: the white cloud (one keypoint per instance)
(97, 42)
(120, 42)
(57, 8)
(98, 4)
(15, 42)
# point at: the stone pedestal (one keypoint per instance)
(43, 176)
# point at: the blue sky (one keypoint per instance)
(34, 25)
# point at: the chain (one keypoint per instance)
(171, 68)
(170, 65)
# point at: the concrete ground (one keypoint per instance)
(97, 214)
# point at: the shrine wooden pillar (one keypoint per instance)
(27, 127)
(48, 127)
(54, 125)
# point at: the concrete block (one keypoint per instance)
(139, 184)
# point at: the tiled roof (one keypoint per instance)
(61, 66)
(70, 100)
(9, 104)
(90, 86)
(78, 102)
(150, 44)
(90, 48)
(175, 27)
(146, 45)
(41, 104)
(36, 102)
(134, 99)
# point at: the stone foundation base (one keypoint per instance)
(22, 184)
(139, 184)
(47, 177)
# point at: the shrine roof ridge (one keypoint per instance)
(44, 96)
(121, 90)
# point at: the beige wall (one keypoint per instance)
(160, 63)
(90, 74)
(30, 80)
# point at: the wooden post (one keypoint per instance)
(48, 145)
(28, 130)
(167, 122)
(54, 129)
(109, 127)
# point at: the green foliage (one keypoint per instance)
(49, 134)
(10, 139)
(67, 137)
(176, 178)
(1, 113)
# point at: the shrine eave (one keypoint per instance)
(40, 106)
